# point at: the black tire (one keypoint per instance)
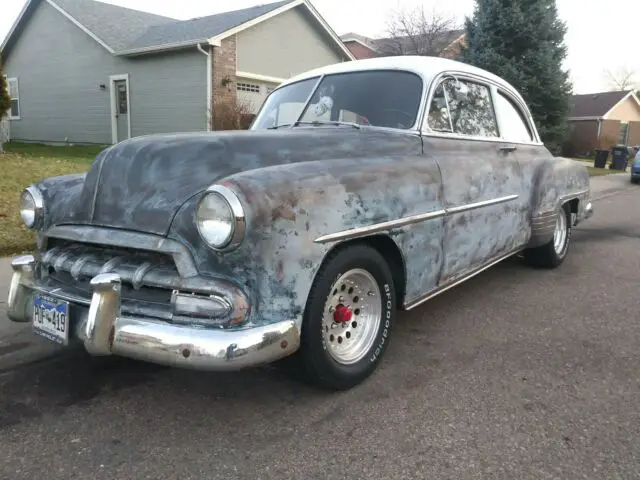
(312, 363)
(545, 256)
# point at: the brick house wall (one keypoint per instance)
(360, 51)
(453, 50)
(634, 134)
(583, 137)
(609, 134)
(223, 80)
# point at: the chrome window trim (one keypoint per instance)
(426, 131)
(420, 112)
(524, 114)
(359, 232)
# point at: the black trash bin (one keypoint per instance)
(619, 156)
(601, 158)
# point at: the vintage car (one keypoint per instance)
(361, 188)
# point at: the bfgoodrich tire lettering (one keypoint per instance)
(320, 359)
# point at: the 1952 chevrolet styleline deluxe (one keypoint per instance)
(361, 188)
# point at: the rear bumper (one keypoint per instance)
(103, 330)
(588, 210)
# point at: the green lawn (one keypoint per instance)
(596, 172)
(23, 164)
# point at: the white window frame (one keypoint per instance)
(112, 100)
(17, 89)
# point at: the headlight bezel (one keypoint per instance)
(38, 207)
(236, 209)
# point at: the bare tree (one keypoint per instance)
(416, 32)
(621, 79)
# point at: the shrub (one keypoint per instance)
(230, 115)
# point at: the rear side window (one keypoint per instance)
(514, 127)
(464, 108)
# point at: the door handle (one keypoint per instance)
(508, 148)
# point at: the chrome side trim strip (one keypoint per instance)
(401, 222)
(484, 203)
(379, 227)
(447, 286)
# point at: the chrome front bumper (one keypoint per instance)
(105, 331)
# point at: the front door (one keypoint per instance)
(121, 109)
(483, 189)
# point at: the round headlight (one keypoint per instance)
(31, 207)
(220, 218)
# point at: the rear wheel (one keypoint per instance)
(553, 253)
(347, 320)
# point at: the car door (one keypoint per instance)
(482, 181)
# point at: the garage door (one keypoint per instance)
(253, 93)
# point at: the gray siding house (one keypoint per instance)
(83, 71)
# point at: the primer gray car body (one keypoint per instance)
(120, 243)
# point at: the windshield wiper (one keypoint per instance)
(316, 123)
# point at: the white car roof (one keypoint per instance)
(426, 67)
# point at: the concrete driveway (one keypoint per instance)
(516, 374)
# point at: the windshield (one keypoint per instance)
(377, 98)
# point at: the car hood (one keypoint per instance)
(140, 184)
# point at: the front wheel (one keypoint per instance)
(553, 253)
(347, 320)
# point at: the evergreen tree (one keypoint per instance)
(5, 100)
(522, 41)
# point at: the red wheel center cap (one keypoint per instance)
(342, 314)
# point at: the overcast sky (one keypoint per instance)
(603, 34)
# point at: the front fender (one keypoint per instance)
(60, 195)
(289, 207)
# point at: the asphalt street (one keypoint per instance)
(517, 374)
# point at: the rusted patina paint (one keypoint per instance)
(303, 183)
(352, 179)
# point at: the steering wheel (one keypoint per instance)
(408, 116)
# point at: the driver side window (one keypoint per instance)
(464, 108)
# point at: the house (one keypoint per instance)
(446, 44)
(84, 71)
(603, 120)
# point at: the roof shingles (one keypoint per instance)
(595, 104)
(201, 28)
(124, 29)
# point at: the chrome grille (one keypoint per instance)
(136, 268)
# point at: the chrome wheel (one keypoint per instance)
(560, 234)
(352, 316)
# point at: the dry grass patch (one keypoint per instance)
(22, 165)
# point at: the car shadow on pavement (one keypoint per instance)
(53, 385)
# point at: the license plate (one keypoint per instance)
(51, 319)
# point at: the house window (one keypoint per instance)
(248, 87)
(624, 133)
(15, 98)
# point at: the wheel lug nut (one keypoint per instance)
(341, 299)
(371, 294)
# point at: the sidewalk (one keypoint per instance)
(19, 345)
